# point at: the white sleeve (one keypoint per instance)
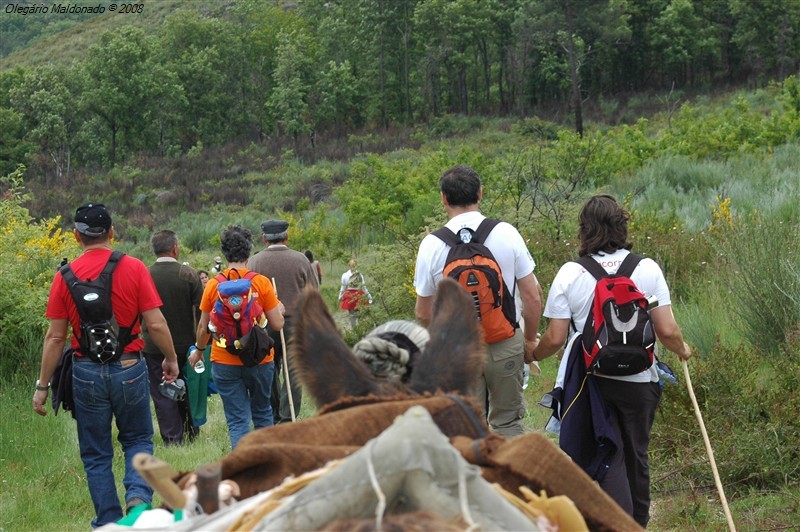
(424, 282)
(653, 282)
(557, 305)
(345, 278)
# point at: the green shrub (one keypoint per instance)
(750, 410)
(30, 252)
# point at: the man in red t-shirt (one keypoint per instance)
(118, 388)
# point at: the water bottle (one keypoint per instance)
(526, 375)
(200, 366)
(665, 373)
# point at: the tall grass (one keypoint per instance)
(762, 280)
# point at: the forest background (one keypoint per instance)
(339, 116)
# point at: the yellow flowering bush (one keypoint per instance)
(30, 252)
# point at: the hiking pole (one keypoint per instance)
(285, 364)
(717, 481)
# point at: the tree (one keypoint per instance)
(13, 146)
(338, 91)
(197, 50)
(295, 79)
(683, 39)
(49, 116)
(126, 89)
(580, 28)
(256, 26)
(767, 32)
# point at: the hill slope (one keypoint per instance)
(72, 43)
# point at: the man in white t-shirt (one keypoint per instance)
(632, 400)
(502, 378)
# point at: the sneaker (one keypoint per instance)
(132, 503)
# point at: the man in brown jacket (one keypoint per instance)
(291, 272)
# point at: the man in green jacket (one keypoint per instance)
(181, 290)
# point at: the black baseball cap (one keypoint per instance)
(92, 219)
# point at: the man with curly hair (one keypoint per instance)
(245, 392)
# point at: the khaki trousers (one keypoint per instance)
(500, 386)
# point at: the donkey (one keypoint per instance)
(354, 407)
(452, 361)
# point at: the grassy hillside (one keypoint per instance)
(72, 43)
(713, 190)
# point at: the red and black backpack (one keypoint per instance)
(474, 267)
(618, 337)
(237, 320)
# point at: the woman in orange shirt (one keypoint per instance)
(244, 390)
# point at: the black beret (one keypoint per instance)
(274, 227)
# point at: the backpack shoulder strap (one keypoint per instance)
(447, 236)
(68, 275)
(220, 278)
(249, 275)
(71, 279)
(591, 266)
(113, 260)
(483, 230)
(629, 264)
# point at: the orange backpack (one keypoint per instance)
(474, 267)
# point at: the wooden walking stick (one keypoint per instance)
(285, 364)
(717, 480)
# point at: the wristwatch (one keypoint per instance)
(41, 388)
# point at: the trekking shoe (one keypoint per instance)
(132, 503)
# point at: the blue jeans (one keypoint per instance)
(102, 391)
(245, 396)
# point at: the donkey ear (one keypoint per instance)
(454, 357)
(324, 363)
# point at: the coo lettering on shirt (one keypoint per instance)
(606, 264)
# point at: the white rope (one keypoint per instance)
(380, 509)
(382, 356)
(463, 498)
(710, 452)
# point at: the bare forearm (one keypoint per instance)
(669, 333)
(424, 310)
(51, 354)
(553, 338)
(531, 296)
(202, 336)
(548, 345)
